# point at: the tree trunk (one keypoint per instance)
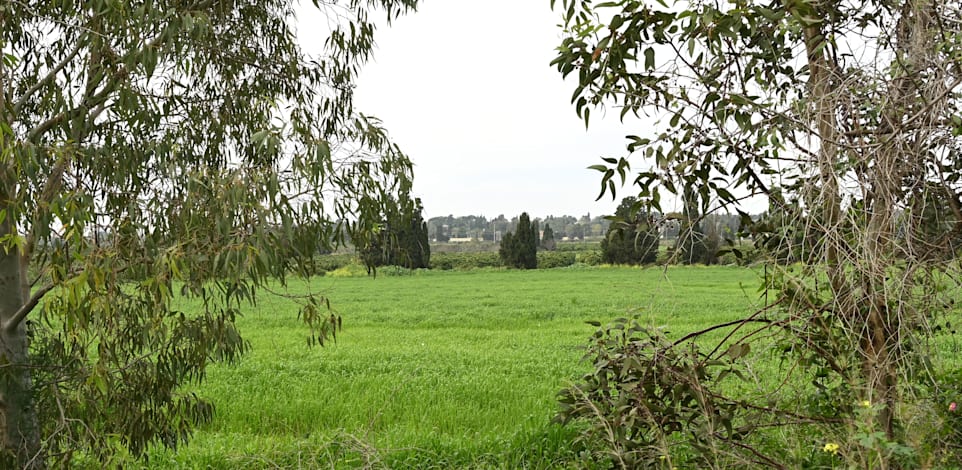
(870, 323)
(18, 417)
(19, 428)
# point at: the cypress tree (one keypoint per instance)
(547, 239)
(507, 249)
(520, 250)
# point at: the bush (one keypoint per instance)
(463, 261)
(947, 403)
(555, 259)
(327, 263)
(349, 270)
(578, 245)
(590, 257)
(728, 259)
(645, 401)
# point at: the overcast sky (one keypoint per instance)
(465, 88)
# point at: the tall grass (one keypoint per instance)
(435, 369)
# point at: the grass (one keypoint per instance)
(435, 369)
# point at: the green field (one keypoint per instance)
(435, 369)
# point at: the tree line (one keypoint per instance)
(632, 236)
(478, 227)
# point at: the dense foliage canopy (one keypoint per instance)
(152, 149)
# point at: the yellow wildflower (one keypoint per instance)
(831, 447)
(866, 404)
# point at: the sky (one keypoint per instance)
(466, 90)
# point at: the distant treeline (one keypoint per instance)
(565, 227)
(631, 236)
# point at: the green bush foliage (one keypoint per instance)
(555, 259)
(578, 246)
(649, 402)
(477, 260)
(589, 257)
(332, 262)
(465, 261)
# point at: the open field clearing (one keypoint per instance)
(435, 369)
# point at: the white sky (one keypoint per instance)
(465, 88)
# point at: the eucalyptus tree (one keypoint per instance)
(152, 150)
(852, 109)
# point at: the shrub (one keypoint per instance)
(464, 261)
(555, 259)
(590, 257)
(333, 262)
(647, 402)
(349, 270)
(403, 239)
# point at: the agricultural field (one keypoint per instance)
(435, 369)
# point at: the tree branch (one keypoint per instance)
(751, 319)
(96, 99)
(22, 100)
(14, 322)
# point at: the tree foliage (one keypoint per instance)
(151, 150)
(633, 238)
(548, 242)
(852, 109)
(520, 249)
(402, 239)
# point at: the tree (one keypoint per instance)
(863, 130)
(547, 239)
(151, 150)
(506, 250)
(632, 238)
(520, 250)
(691, 244)
(402, 239)
(783, 231)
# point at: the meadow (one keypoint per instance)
(435, 369)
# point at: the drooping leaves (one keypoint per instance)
(156, 150)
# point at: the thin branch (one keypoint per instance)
(766, 460)
(97, 99)
(22, 100)
(750, 319)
